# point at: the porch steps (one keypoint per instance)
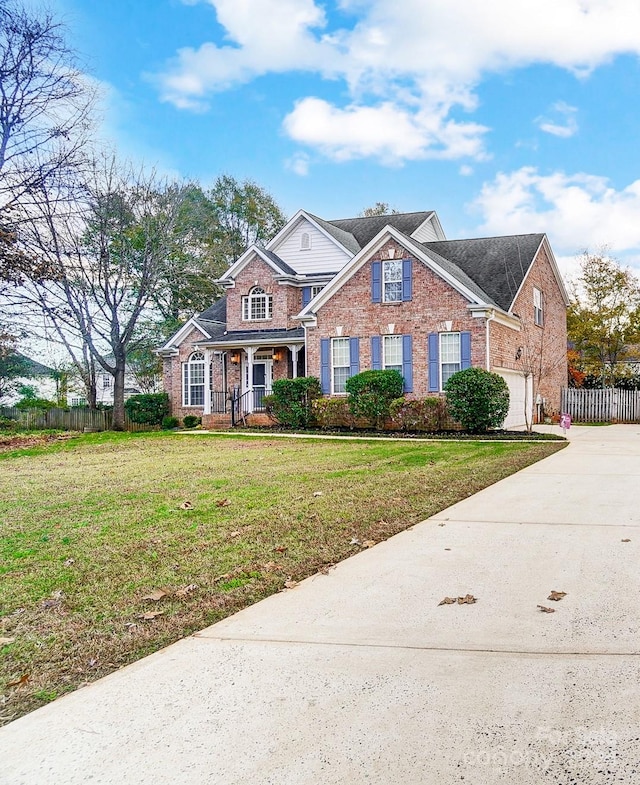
(222, 421)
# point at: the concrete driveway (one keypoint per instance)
(360, 676)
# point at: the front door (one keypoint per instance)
(260, 382)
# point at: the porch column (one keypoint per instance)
(294, 349)
(207, 381)
(250, 352)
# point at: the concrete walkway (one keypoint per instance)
(360, 676)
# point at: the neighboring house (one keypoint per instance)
(332, 298)
(38, 376)
(104, 388)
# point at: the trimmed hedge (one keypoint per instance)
(291, 401)
(424, 414)
(148, 408)
(191, 420)
(333, 413)
(169, 422)
(478, 399)
(371, 394)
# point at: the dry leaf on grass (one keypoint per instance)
(223, 503)
(69, 562)
(447, 601)
(236, 533)
(557, 595)
(185, 591)
(355, 541)
(6, 641)
(468, 599)
(544, 609)
(272, 566)
(186, 506)
(280, 548)
(627, 540)
(325, 570)
(317, 493)
(155, 595)
(368, 543)
(290, 584)
(22, 680)
(150, 615)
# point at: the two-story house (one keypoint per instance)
(332, 298)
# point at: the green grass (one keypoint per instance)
(89, 526)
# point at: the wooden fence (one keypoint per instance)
(608, 405)
(74, 419)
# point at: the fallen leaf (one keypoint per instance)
(368, 543)
(186, 506)
(155, 595)
(290, 584)
(272, 566)
(69, 562)
(58, 594)
(223, 503)
(447, 549)
(447, 601)
(92, 662)
(317, 493)
(150, 615)
(544, 609)
(236, 533)
(6, 641)
(468, 599)
(557, 595)
(627, 540)
(22, 680)
(325, 570)
(280, 548)
(442, 524)
(185, 591)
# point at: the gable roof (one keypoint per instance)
(33, 368)
(363, 230)
(272, 259)
(498, 265)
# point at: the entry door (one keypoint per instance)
(262, 375)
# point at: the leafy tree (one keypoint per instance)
(477, 399)
(379, 208)
(604, 315)
(13, 366)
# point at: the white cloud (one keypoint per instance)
(299, 164)
(563, 124)
(417, 60)
(577, 211)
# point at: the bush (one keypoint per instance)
(8, 424)
(371, 393)
(169, 422)
(333, 413)
(147, 409)
(290, 402)
(191, 420)
(478, 399)
(425, 414)
(42, 404)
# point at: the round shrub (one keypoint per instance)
(477, 399)
(191, 420)
(371, 394)
(169, 422)
(147, 409)
(290, 402)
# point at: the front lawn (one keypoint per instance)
(114, 545)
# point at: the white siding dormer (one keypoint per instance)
(429, 231)
(315, 253)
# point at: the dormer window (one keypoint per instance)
(305, 241)
(257, 305)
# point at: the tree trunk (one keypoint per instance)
(117, 422)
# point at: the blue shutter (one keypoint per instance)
(376, 353)
(354, 356)
(434, 369)
(465, 350)
(406, 279)
(407, 362)
(376, 282)
(306, 296)
(325, 368)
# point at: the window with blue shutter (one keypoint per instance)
(325, 368)
(407, 362)
(376, 282)
(376, 353)
(465, 351)
(306, 296)
(434, 365)
(354, 356)
(407, 273)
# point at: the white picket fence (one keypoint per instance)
(608, 405)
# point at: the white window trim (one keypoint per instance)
(440, 361)
(305, 241)
(256, 294)
(195, 359)
(316, 290)
(385, 264)
(333, 367)
(538, 307)
(386, 366)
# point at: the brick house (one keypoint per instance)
(332, 298)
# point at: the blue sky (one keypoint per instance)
(502, 116)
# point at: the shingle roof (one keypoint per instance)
(33, 367)
(497, 265)
(216, 312)
(278, 262)
(269, 336)
(345, 238)
(365, 229)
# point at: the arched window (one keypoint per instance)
(257, 305)
(305, 241)
(193, 380)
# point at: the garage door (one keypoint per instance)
(516, 383)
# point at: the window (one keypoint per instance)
(538, 315)
(193, 380)
(79, 401)
(305, 241)
(340, 364)
(392, 353)
(316, 290)
(392, 281)
(449, 356)
(106, 382)
(257, 305)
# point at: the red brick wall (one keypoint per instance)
(433, 302)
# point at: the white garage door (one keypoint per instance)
(516, 382)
